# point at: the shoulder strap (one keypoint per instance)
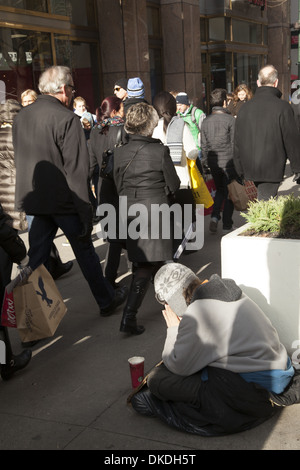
(129, 163)
(193, 116)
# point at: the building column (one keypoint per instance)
(182, 47)
(124, 42)
(279, 46)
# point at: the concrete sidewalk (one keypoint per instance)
(73, 393)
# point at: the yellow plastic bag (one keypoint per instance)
(199, 189)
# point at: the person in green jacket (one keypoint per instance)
(192, 115)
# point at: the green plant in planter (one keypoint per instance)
(276, 217)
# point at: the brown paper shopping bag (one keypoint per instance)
(39, 306)
(238, 195)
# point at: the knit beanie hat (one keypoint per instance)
(122, 82)
(89, 117)
(182, 98)
(135, 88)
(169, 283)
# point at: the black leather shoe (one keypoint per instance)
(129, 323)
(61, 269)
(120, 297)
(30, 344)
(16, 363)
(131, 326)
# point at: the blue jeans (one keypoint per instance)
(41, 235)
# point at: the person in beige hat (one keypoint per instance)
(214, 324)
(224, 369)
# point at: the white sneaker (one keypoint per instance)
(213, 226)
(228, 230)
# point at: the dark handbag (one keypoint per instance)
(107, 165)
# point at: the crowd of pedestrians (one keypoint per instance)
(55, 157)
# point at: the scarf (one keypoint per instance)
(114, 121)
(174, 138)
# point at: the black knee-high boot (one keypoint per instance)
(135, 298)
(13, 363)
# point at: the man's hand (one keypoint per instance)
(170, 317)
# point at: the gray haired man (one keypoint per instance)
(52, 165)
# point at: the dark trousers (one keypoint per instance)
(221, 182)
(41, 236)
(113, 261)
(171, 387)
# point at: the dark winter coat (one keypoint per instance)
(97, 145)
(16, 219)
(235, 106)
(149, 179)
(10, 241)
(130, 101)
(12, 250)
(217, 137)
(52, 160)
(265, 136)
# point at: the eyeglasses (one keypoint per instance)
(73, 88)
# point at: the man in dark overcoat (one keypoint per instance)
(266, 136)
(52, 169)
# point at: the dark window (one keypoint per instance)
(34, 5)
(23, 56)
(82, 58)
(244, 31)
(80, 12)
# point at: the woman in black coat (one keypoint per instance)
(12, 250)
(145, 178)
(108, 132)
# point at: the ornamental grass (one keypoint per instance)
(277, 217)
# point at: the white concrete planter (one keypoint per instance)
(268, 271)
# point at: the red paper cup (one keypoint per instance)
(136, 365)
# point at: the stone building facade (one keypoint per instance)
(182, 45)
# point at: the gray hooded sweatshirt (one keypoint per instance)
(223, 328)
